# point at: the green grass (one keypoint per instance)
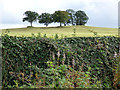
(81, 31)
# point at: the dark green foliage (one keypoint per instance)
(30, 17)
(81, 18)
(21, 53)
(98, 53)
(72, 16)
(61, 17)
(45, 18)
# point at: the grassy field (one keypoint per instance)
(80, 31)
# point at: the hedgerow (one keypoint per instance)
(25, 59)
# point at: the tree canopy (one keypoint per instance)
(81, 18)
(30, 16)
(45, 18)
(61, 17)
(72, 16)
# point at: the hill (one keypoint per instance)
(80, 31)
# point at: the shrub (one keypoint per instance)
(20, 54)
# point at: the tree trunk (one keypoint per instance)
(31, 24)
(60, 24)
(64, 24)
(46, 25)
(72, 22)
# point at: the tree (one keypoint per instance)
(45, 18)
(72, 16)
(61, 17)
(30, 17)
(81, 18)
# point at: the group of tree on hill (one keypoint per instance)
(63, 17)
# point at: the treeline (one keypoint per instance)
(63, 17)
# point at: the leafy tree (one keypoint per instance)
(30, 17)
(72, 16)
(81, 18)
(61, 17)
(45, 18)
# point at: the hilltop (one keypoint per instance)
(80, 31)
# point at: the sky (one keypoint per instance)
(101, 13)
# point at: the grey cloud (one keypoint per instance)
(100, 14)
(9, 18)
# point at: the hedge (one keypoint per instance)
(18, 53)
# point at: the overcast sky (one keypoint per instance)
(101, 13)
